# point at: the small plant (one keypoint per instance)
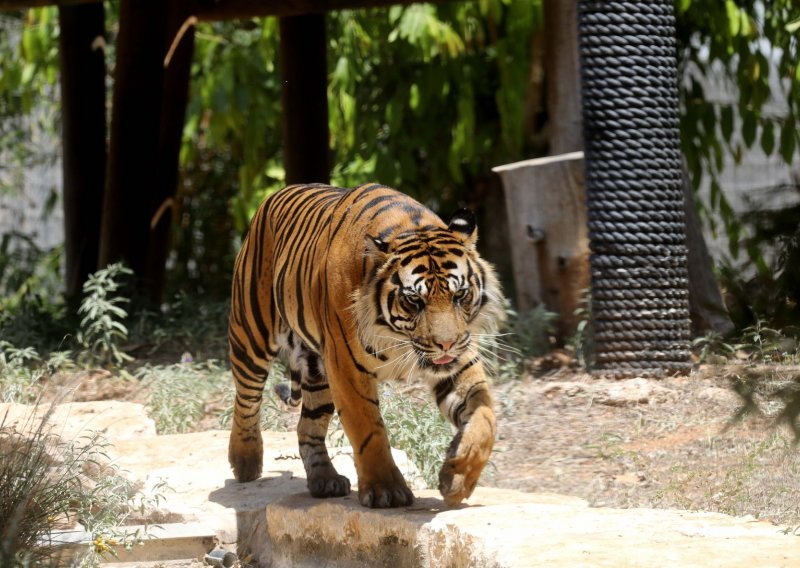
(47, 485)
(521, 337)
(532, 330)
(102, 327)
(22, 374)
(713, 344)
(763, 343)
(180, 392)
(582, 341)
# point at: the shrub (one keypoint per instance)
(47, 484)
(102, 326)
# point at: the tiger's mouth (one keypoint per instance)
(439, 361)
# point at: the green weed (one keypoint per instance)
(102, 325)
(180, 393)
(415, 426)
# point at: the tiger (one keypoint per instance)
(352, 287)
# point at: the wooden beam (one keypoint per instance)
(304, 99)
(562, 67)
(215, 10)
(545, 199)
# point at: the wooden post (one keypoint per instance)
(304, 98)
(177, 64)
(135, 132)
(545, 200)
(83, 132)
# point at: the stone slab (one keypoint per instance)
(116, 420)
(202, 489)
(274, 522)
(515, 530)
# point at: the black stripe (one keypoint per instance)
(462, 406)
(407, 260)
(445, 386)
(317, 413)
(365, 442)
(358, 365)
(372, 203)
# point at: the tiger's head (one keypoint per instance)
(429, 299)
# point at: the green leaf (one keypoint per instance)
(749, 128)
(413, 97)
(726, 122)
(27, 73)
(734, 20)
(793, 26)
(788, 141)
(768, 137)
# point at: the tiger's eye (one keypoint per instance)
(460, 294)
(414, 299)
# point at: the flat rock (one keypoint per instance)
(201, 487)
(516, 530)
(274, 522)
(116, 420)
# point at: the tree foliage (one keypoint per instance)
(423, 97)
(753, 45)
(28, 75)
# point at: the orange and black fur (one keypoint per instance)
(355, 286)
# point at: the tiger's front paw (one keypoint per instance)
(466, 457)
(246, 456)
(384, 493)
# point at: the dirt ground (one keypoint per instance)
(668, 443)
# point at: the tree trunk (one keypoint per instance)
(706, 307)
(546, 206)
(135, 133)
(304, 99)
(562, 69)
(177, 71)
(83, 132)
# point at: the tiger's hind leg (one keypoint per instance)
(250, 366)
(253, 331)
(306, 369)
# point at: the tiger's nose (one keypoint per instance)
(444, 345)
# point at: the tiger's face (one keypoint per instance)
(429, 301)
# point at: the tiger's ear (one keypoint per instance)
(376, 246)
(462, 223)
